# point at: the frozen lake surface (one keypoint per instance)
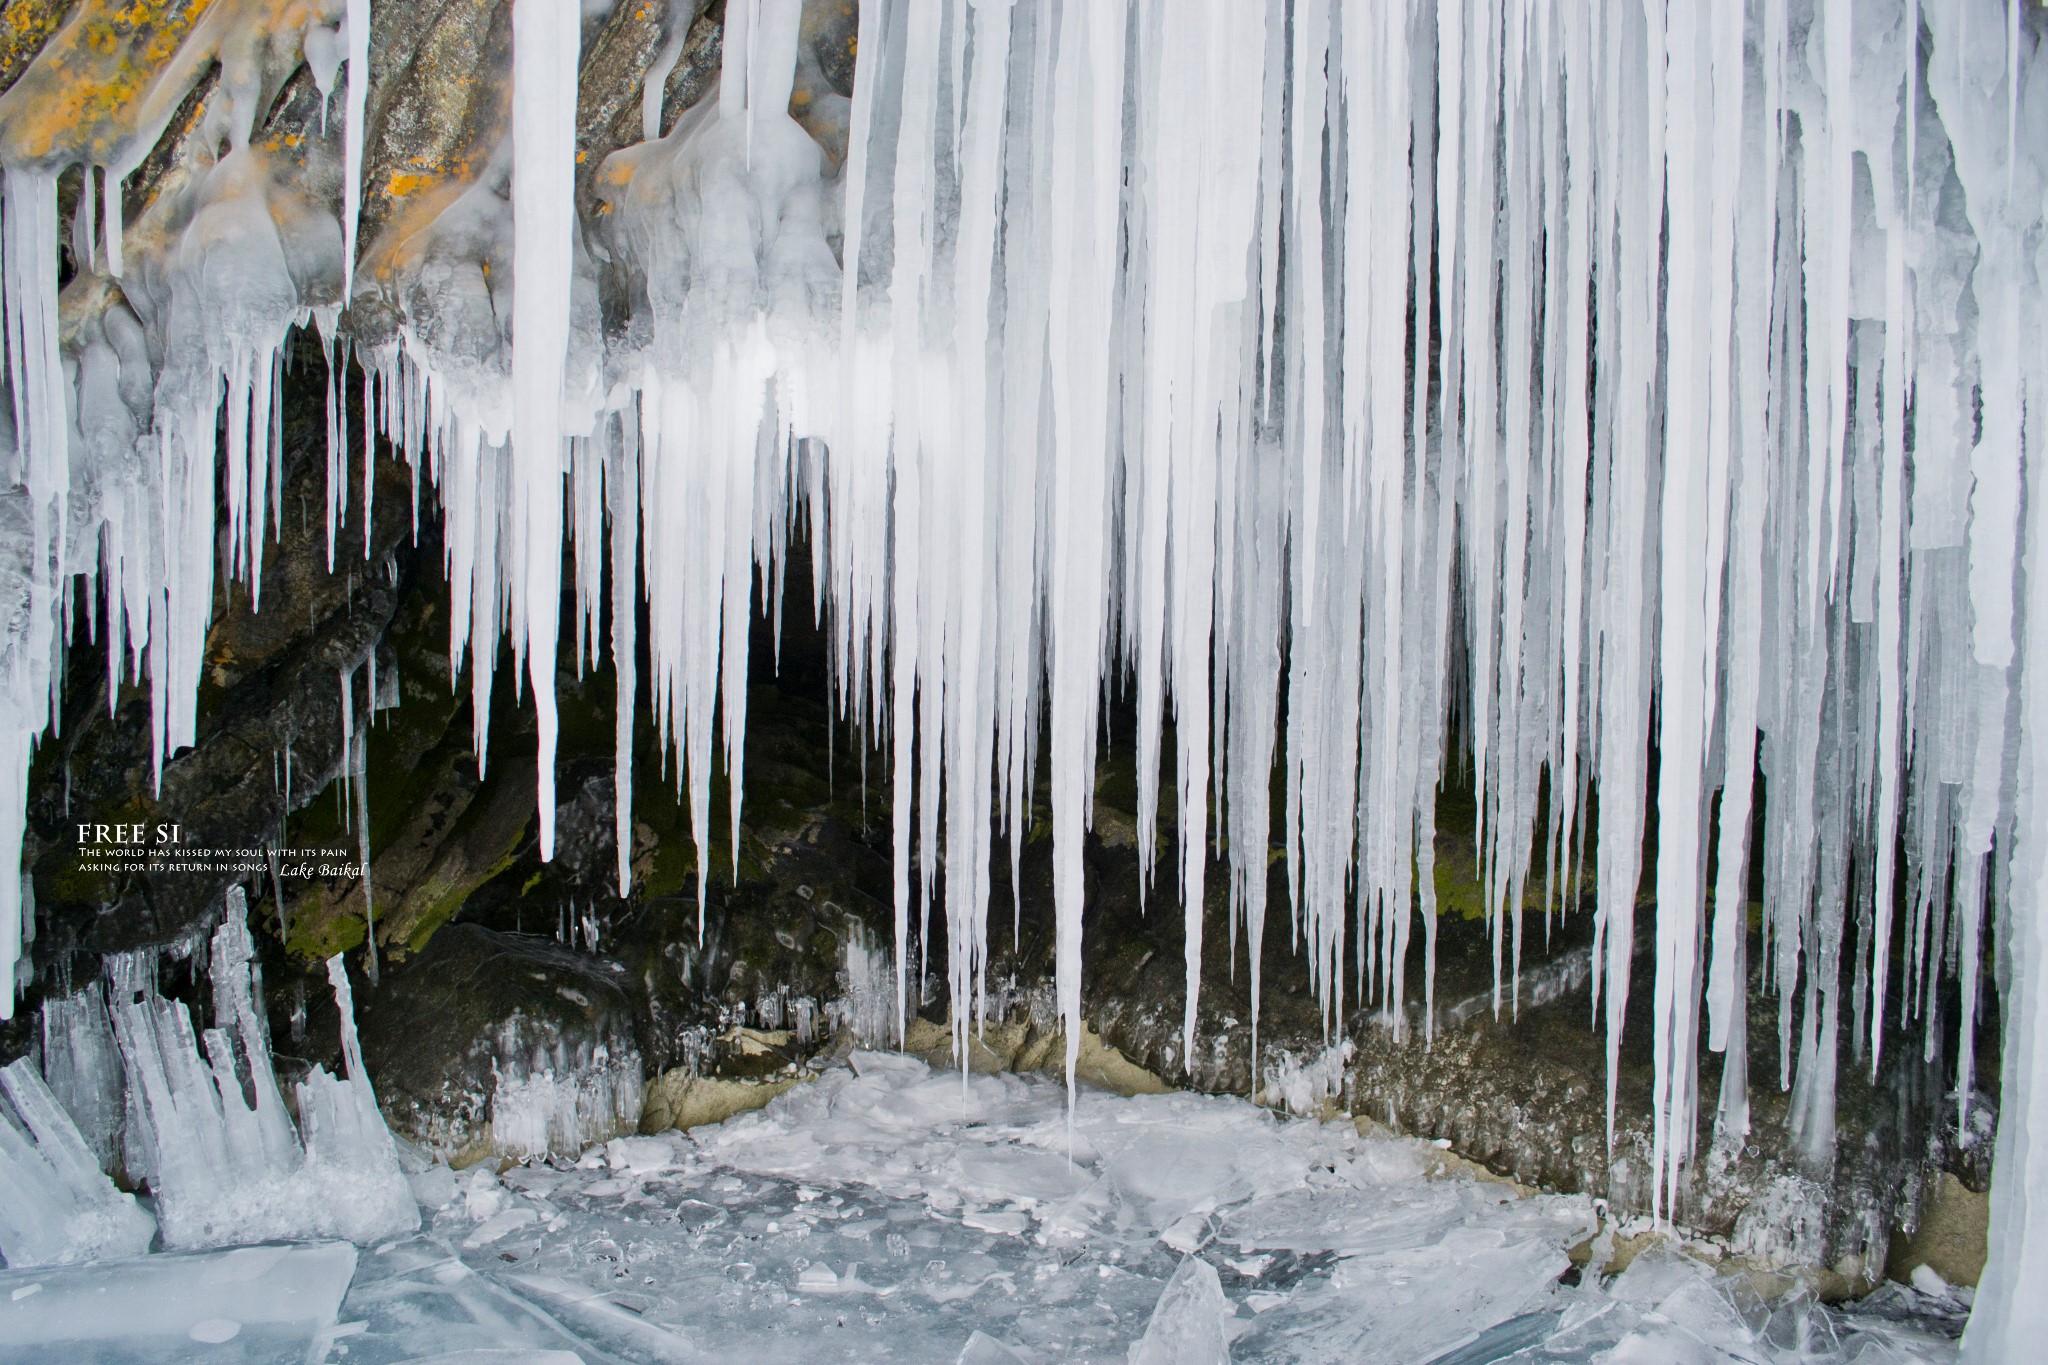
(889, 1212)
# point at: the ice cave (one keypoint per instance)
(996, 681)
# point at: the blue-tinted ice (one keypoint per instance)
(889, 1212)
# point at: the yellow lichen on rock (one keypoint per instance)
(1026, 1047)
(102, 88)
(1950, 1237)
(25, 25)
(680, 1099)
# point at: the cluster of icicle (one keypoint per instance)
(1610, 376)
(119, 387)
(125, 1086)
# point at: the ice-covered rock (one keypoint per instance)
(642, 1155)
(434, 1188)
(505, 1045)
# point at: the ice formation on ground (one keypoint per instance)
(227, 1169)
(1585, 374)
(881, 1213)
(561, 1099)
(58, 1205)
(224, 1161)
(82, 1066)
(270, 1302)
(1303, 1085)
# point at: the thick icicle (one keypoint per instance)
(546, 39)
(356, 27)
(1085, 102)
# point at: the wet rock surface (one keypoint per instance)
(478, 1015)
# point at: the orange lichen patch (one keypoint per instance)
(25, 25)
(98, 78)
(401, 246)
(403, 184)
(117, 69)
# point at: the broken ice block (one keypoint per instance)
(1187, 1326)
(56, 1205)
(278, 1297)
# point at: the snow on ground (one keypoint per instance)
(888, 1212)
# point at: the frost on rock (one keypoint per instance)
(561, 1099)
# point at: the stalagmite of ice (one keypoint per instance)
(228, 1170)
(83, 1068)
(1381, 392)
(56, 1205)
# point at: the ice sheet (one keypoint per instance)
(880, 1213)
(254, 1303)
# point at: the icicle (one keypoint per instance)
(1139, 310)
(1085, 99)
(359, 764)
(357, 31)
(347, 678)
(545, 43)
(2009, 1317)
(655, 84)
(622, 479)
(113, 187)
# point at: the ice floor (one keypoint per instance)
(889, 1212)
